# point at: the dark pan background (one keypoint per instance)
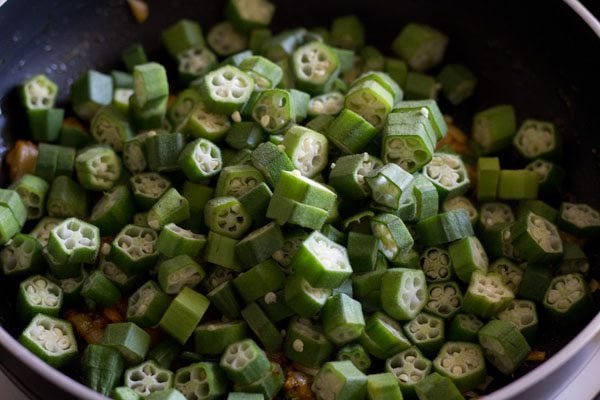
(535, 54)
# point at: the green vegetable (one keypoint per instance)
(50, 339)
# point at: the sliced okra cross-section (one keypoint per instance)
(200, 160)
(370, 100)
(110, 127)
(172, 207)
(147, 188)
(510, 272)
(387, 184)
(225, 40)
(244, 362)
(461, 202)
(426, 332)
(134, 153)
(463, 363)
(550, 176)
(536, 239)
(236, 180)
(227, 216)
(494, 128)
(579, 219)
(445, 299)
(147, 305)
(178, 272)
(504, 346)
(38, 92)
(266, 74)
(523, 314)
(448, 173)
(22, 256)
(226, 89)
(307, 149)
(98, 168)
(403, 293)
(468, 256)
(409, 367)
(348, 175)
(383, 336)
(51, 339)
(408, 144)
(494, 213)
(486, 295)
(567, 298)
(147, 378)
(33, 191)
(74, 241)
(38, 295)
(340, 380)
(247, 16)
(355, 353)
(133, 249)
(205, 123)
(316, 66)
(394, 237)
(203, 379)
(194, 63)
(322, 262)
(464, 328)
(537, 139)
(436, 264)
(302, 297)
(420, 45)
(276, 109)
(330, 103)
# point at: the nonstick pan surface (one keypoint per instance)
(537, 55)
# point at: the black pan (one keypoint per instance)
(536, 54)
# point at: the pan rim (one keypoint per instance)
(75, 388)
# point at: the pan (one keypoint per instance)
(539, 55)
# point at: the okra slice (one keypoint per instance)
(245, 135)
(33, 191)
(461, 202)
(51, 339)
(185, 102)
(271, 161)
(200, 159)
(148, 188)
(387, 184)
(133, 249)
(306, 344)
(41, 231)
(464, 328)
(224, 297)
(421, 46)
(74, 134)
(445, 299)
(213, 338)
(494, 128)
(237, 180)
(227, 216)
(220, 250)
(22, 255)
(120, 279)
(174, 240)
(408, 144)
(316, 66)
(448, 173)
(267, 385)
(355, 353)
(109, 126)
(538, 207)
(383, 336)
(134, 153)
(371, 100)
(163, 149)
(44, 124)
(463, 363)
(266, 74)
(147, 305)
(131, 341)
(207, 124)
(426, 332)
(258, 281)
(468, 256)
(38, 295)
(503, 345)
(284, 210)
(307, 149)
(178, 272)
(322, 262)
(293, 186)
(434, 114)
(550, 176)
(579, 219)
(348, 32)
(133, 55)
(102, 368)
(348, 175)
(486, 295)
(362, 251)
(225, 40)
(201, 380)
(172, 207)
(98, 168)
(302, 297)
(149, 83)
(148, 378)
(320, 123)
(535, 282)
(226, 89)
(421, 86)
(436, 263)
(74, 241)
(488, 176)
(409, 367)
(244, 362)
(194, 63)
(53, 161)
(259, 245)
(38, 93)
(536, 239)
(182, 35)
(491, 214)
(256, 202)
(537, 139)
(510, 272)
(66, 198)
(519, 184)
(343, 319)
(567, 298)
(183, 314)
(437, 387)
(100, 290)
(574, 260)
(90, 92)
(276, 109)
(523, 314)
(383, 386)
(394, 238)
(339, 380)
(330, 103)
(249, 15)
(113, 211)
(350, 132)
(458, 83)
(403, 293)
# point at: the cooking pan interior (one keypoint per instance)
(537, 55)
